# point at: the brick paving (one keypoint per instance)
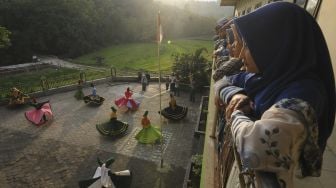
(64, 151)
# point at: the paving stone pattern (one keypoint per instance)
(64, 151)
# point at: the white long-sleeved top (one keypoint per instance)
(272, 144)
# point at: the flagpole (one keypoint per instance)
(158, 52)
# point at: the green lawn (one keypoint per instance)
(138, 56)
(126, 58)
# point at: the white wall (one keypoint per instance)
(326, 19)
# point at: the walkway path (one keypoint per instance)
(52, 61)
(62, 63)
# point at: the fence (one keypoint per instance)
(45, 83)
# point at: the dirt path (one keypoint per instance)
(53, 61)
(62, 63)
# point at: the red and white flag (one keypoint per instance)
(159, 32)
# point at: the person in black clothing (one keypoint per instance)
(167, 83)
(148, 77)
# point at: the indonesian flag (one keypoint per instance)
(159, 32)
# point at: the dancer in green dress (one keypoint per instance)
(148, 134)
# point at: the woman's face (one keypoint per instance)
(222, 33)
(229, 46)
(237, 44)
(249, 63)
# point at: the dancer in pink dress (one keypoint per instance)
(127, 101)
(41, 114)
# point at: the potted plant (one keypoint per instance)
(193, 174)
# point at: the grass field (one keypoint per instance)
(126, 58)
(139, 56)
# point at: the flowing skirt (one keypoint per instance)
(39, 116)
(112, 128)
(129, 103)
(119, 179)
(177, 114)
(149, 135)
(97, 100)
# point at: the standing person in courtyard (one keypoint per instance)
(177, 86)
(289, 89)
(192, 88)
(172, 83)
(144, 81)
(94, 90)
(167, 83)
(148, 77)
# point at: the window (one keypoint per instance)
(312, 6)
(301, 3)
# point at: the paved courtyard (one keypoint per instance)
(65, 151)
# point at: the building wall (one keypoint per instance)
(326, 19)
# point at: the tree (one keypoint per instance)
(4, 37)
(194, 64)
(70, 28)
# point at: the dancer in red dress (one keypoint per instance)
(127, 101)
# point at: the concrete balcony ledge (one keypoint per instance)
(209, 163)
(202, 117)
